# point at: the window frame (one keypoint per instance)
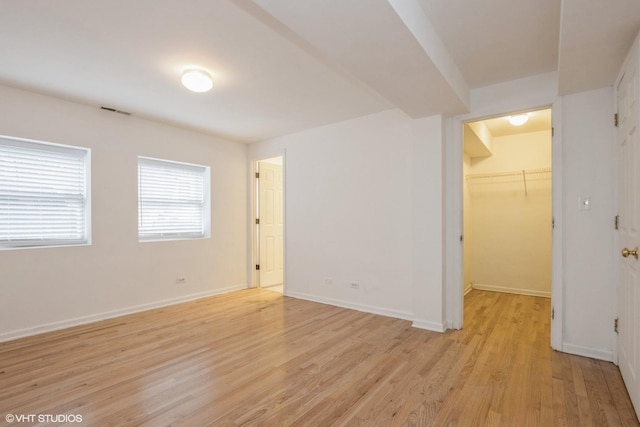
(205, 172)
(71, 151)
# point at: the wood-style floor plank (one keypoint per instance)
(255, 357)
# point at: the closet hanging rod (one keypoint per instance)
(510, 173)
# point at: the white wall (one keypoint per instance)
(48, 288)
(589, 263)
(508, 244)
(364, 204)
(428, 183)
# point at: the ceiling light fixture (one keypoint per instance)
(519, 120)
(197, 80)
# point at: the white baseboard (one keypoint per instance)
(429, 325)
(468, 289)
(77, 321)
(421, 324)
(594, 353)
(353, 306)
(492, 288)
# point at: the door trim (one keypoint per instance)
(454, 216)
(557, 275)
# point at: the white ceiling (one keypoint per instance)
(496, 41)
(539, 120)
(281, 66)
(479, 134)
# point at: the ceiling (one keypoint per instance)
(281, 66)
(478, 135)
(539, 120)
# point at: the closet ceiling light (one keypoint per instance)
(197, 80)
(518, 120)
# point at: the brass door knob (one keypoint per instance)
(626, 252)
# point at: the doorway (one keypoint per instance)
(269, 224)
(507, 204)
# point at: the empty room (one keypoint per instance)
(260, 212)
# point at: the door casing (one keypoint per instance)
(454, 262)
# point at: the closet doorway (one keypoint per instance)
(269, 223)
(507, 204)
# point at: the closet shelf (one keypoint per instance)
(523, 173)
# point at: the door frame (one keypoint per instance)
(253, 274)
(621, 239)
(454, 260)
(617, 245)
(616, 201)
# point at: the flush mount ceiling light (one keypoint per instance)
(519, 120)
(197, 80)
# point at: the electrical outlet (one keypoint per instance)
(355, 285)
(181, 280)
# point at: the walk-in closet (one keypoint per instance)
(507, 204)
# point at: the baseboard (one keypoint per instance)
(529, 292)
(593, 353)
(77, 321)
(421, 324)
(353, 306)
(428, 325)
(468, 289)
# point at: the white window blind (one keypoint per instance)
(173, 200)
(43, 194)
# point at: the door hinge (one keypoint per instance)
(616, 222)
(257, 266)
(615, 325)
(461, 238)
(553, 131)
(257, 221)
(553, 222)
(257, 174)
(615, 119)
(553, 313)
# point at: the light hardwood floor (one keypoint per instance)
(255, 357)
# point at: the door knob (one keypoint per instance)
(626, 252)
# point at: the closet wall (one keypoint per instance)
(508, 216)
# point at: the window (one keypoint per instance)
(173, 200)
(44, 194)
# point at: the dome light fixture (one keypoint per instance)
(519, 119)
(197, 80)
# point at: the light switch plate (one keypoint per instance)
(584, 203)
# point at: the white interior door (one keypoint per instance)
(271, 224)
(628, 292)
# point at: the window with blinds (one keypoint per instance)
(44, 194)
(173, 200)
